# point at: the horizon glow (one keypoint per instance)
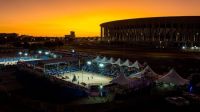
(59, 17)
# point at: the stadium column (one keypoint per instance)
(101, 32)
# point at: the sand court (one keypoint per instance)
(86, 77)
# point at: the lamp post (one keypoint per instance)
(25, 54)
(101, 65)
(20, 53)
(46, 53)
(89, 63)
(40, 52)
(101, 90)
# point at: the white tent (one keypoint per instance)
(136, 75)
(104, 60)
(146, 72)
(149, 72)
(126, 63)
(111, 60)
(136, 64)
(97, 59)
(118, 62)
(173, 77)
(121, 79)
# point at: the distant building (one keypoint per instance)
(71, 37)
(8, 37)
(72, 34)
(181, 29)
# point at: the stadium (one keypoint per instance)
(180, 29)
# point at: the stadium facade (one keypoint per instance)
(180, 29)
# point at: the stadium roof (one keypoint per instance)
(169, 19)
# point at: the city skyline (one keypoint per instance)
(59, 17)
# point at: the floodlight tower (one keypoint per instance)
(39, 52)
(25, 54)
(20, 54)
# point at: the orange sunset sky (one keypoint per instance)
(58, 17)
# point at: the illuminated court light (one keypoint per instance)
(183, 47)
(195, 47)
(73, 51)
(46, 53)
(25, 54)
(101, 65)
(54, 56)
(101, 86)
(40, 52)
(89, 63)
(20, 53)
(192, 48)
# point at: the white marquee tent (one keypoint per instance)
(104, 60)
(121, 79)
(173, 77)
(118, 62)
(147, 71)
(97, 59)
(111, 60)
(136, 64)
(126, 63)
(137, 75)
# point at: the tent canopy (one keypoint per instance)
(104, 60)
(118, 62)
(121, 79)
(111, 60)
(97, 59)
(136, 64)
(146, 72)
(173, 77)
(126, 63)
(136, 75)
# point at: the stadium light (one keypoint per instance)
(101, 65)
(25, 54)
(46, 53)
(20, 53)
(101, 87)
(54, 56)
(40, 52)
(183, 47)
(89, 62)
(73, 51)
